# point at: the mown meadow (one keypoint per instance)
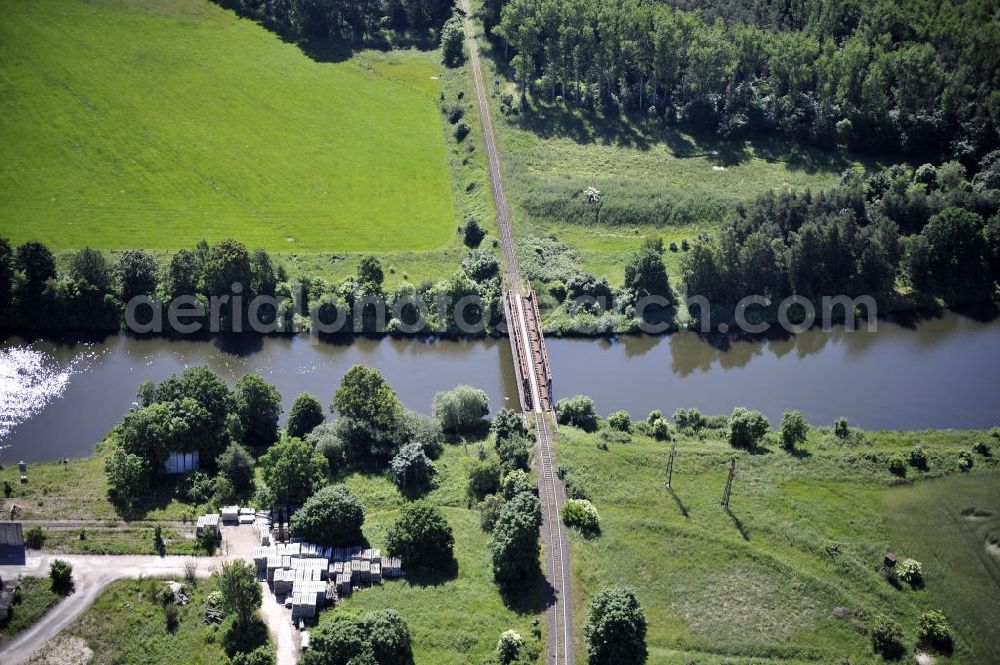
(790, 573)
(130, 124)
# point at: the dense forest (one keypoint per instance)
(929, 229)
(922, 77)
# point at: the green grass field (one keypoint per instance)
(37, 598)
(153, 124)
(790, 574)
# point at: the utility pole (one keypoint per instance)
(729, 484)
(670, 465)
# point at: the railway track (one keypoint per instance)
(531, 364)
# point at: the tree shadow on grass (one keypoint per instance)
(244, 639)
(427, 577)
(531, 595)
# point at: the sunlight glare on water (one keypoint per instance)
(29, 379)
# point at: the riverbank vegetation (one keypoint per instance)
(910, 240)
(93, 294)
(795, 567)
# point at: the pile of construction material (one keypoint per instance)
(208, 523)
(353, 567)
(309, 576)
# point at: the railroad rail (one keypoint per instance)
(534, 379)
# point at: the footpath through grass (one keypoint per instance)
(155, 124)
(790, 574)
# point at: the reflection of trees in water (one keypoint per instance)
(691, 352)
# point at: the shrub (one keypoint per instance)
(454, 113)
(621, 421)
(223, 492)
(508, 423)
(910, 571)
(196, 487)
(918, 458)
(489, 510)
(577, 411)
(581, 514)
(484, 478)
(208, 540)
(411, 469)
(331, 517)
(934, 631)
(462, 409)
(328, 443)
(840, 428)
(887, 636)
(424, 430)
(514, 541)
(746, 428)
(616, 628)
(305, 416)
(472, 233)
(660, 430)
(389, 637)
(422, 537)
(982, 448)
(515, 482)
(159, 546)
(61, 576)
(34, 538)
(514, 453)
(461, 131)
(897, 466)
(615, 436)
(794, 429)
(509, 646)
(689, 419)
(236, 463)
(965, 461)
(653, 416)
(171, 617)
(259, 656)
(452, 41)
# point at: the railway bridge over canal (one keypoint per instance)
(534, 378)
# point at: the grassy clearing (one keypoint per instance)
(78, 489)
(118, 540)
(790, 574)
(455, 620)
(126, 626)
(36, 598)
(131, 123)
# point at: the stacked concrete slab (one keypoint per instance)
(208, 522)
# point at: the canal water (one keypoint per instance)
(57, 399)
